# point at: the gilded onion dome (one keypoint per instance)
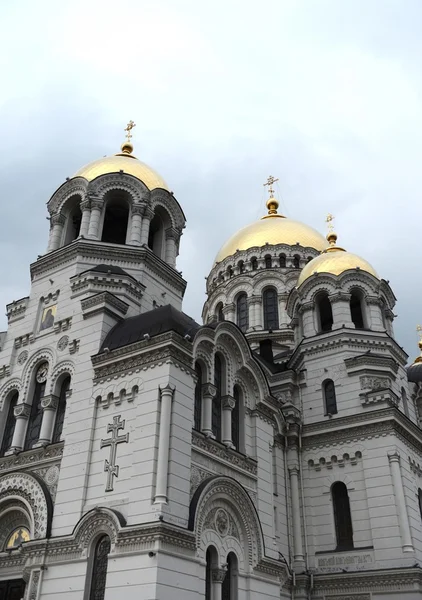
(273, 229)
(123, 161)
(414, 372)
(334, 260)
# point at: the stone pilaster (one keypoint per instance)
(86, 215)
(340, 305)
(406, 538)
(166, 395)
(136, 225)
(208, 393)
(146, 221)
(94, 221)
(49, 405)
(22, 413)
(171, 246)
(227, 403)
(56, 232)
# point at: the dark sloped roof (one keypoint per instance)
(160, 320)
(108, 269)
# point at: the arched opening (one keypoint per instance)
(216, 401)
(197, 410)
(99, 566)
(420, 502)
(157, 228)
(9, 428)
(211, 558)
(342, 516)
(296, 261)
(229, 587)
(237, 420)
(324, 312)
(61, 410)
(330, 400)
(219, 314)
(270, 305)
(242, 311)
(254, 263)
(241, 266)
(268, 261)
(356, 309)
(116, 219)
(73, 219)
(35, 417)
(282, 260)
(230, 271)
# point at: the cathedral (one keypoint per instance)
(273, 451)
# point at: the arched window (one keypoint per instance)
(356, 311)
(9, 428)
(35, 417)
(342, 516)
(242, 311)
(268, 262)
(282, 260)
(325, 313)
(99, 568)
(330, 400)
(116, 219)
(229, 587)
(241, 266)
(230, 271)
(73, 220)
(216, 401)
(197, 410)
(404, 402)
(236, 418)
(219, 315)
(270, 304)
(254, 263)
(61, 411)
(420, 502)
(211, 558)
(296, 261)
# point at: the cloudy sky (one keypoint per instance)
(324, 94)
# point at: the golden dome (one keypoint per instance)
(334, 260)
(272, 229)
(126, 162)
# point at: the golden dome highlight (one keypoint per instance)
(272, 229)
(334, 260)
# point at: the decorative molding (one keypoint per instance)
(341, 461)
(62, 325)
(30, 458)
(63, 343)
(104, 303)
(16, 310)
(374, 383)
(23, 357)
(22, 410)
(220, 451)
(24, 340)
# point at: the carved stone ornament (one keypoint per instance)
(42, 373)
(52, 475)
(218, 575)
(23, 357)
(63, 343)
(228, 402)
(22, 410)
(50, 402)
(222, 522)
(33, 586)
(208, 389)
(374, 383)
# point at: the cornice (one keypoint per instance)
(39, 457)
(382, 580)
(218, 451)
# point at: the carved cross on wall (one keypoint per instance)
(110, 466)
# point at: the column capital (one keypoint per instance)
(228, 402)
(22, 411)
(85, 204)
(167, 391)
(393, 456)
(138, 209)
(148, 213)
(218, 575)
(208, 389)
(96, 204)
(339, 297)
(58, 219)
(171, 233)
(50, 402)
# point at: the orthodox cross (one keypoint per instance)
(419, 330)
(270, 181)
(329, 220)
(110, 467)
(128, 130)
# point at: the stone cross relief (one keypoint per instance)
(110, 466)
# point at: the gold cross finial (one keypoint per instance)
(128, 130)
(270, 181)
(329, 220)
(419, 330)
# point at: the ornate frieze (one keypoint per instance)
(332, 461)
(379, 396)
(221, 452)
(62, 325)
(25, 461)
(24, 340)
(374, 383)
(16, 310)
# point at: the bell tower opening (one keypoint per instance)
(156, 237)
(116, 218)
(73, 220)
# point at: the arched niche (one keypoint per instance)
(116, 217)
(73, 218)
(160, 222)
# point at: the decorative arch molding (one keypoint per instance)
(236, 288)
(42, 355)
(74, 187)
(12, 385)
(137, 190)
(99, 520)
(225, 493)
(66, 366)
(32, 491)
(270, 282)
(166, 201)
(333, 478)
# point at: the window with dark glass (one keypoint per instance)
(198, 399)
(296, 261)
(229, 587)
(420, 501)
(330, 397)
(115, 222)
(342, 516)
(230, 271)
(242, 311)
(236, 419)
(99, 569)
(208, 575)
(268, 262)
(282, 260)
(35, 417)
(325, 313)
(216, 401)
(241, 266)
(270, 303)
(219, 311)
(9, 429)
(254, 263)
(61, 411)
(356, 311)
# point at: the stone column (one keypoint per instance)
(217, 578)
(228, 404)
(283, 317)
(136, 225)
(171, 247)
(148, 214)
(49, 405)
(22, 412)
(86, 215)
(406, 538)
(166, 394)
(307, 312)
(258, 312)
(94, 221)
(56, 231)
(293, 468)
(208, 393)
(229, 312)
(340, 305)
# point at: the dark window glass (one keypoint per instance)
(220, 314)
(330, 397)
(115, 223)
(35, 418)
(420, 501)
(99, 569)
(356, 311)
(268, 262)
(198, 399)
(208, 570)
(325, 313)
(254, 264)
(282, 260)
(226, 587)
(236, 419)
(296, 261)
(216, 401)
(9, 429)
(242, 311)
(230, 272)
(270, 302)
(61, 411)
(342, 516)
(241, 266)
